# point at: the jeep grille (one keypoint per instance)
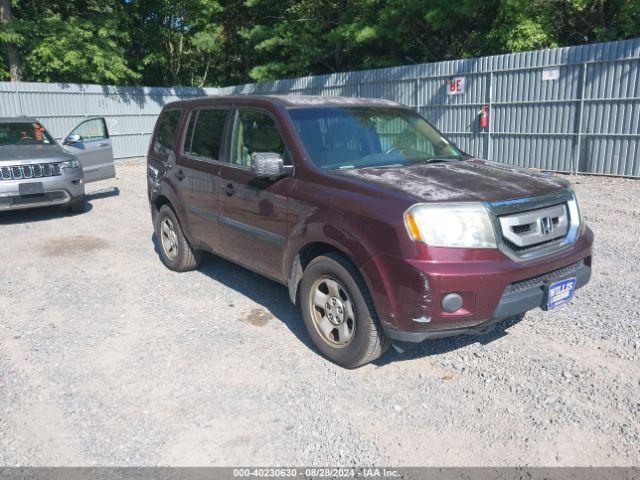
(37, 170)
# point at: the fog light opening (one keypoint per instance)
(451, 302)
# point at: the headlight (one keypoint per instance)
(576, 213)
(461, 225)
(69, 164)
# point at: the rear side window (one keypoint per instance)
(205, 133)
(167, 131)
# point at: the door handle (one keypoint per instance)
(104, 144)
(180, 175)
(229, 189)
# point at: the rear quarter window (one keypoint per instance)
(167, 131)
(205, 133)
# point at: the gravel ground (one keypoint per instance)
(108, 358)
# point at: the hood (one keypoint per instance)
(462, 181)
(19, 154)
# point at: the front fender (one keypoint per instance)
(354, 242)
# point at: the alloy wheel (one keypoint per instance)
(332, 311)
(169, 238)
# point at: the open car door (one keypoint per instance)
(90, 142)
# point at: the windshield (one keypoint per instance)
(359, 137)
(24, 133)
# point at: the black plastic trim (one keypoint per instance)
(203, 213)
(260, 233)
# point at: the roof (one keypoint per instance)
(317, 100)
(19, 119)
(301, 100)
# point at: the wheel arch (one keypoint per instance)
(302, 257)
(166, 195)
(160, 201)
(364, 262)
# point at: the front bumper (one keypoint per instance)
(59, 190)
(518, 298)
(409, 300)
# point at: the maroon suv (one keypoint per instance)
(382, 230)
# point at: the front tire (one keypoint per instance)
(175, 251)
(339, 313)
(78, 205)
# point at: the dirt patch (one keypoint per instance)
(76, 245)
(258, 317)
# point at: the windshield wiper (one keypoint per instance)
(389, 165)
(439, 159)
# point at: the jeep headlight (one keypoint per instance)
(458, 225)
(69, 163)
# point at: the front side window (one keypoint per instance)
(205, 133)
(24, 133)
(167, 131)
(91, 130)
(255, 132)
(359, 137)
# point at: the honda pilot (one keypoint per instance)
(381, 229)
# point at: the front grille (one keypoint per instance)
(522, 231)
(37, 170)
(540, 280)
(521, 228)
(518, 249)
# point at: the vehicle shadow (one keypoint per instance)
(270, 295)
(40, 214)
(103, 193)
(274, 298)
(43, 214)
(446, 345)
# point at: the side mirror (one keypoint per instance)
(73, 138)
(268, 165)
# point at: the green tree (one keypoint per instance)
(10, 39)
(59, 44)
(176, 41)
(532, 24)
(226, 42)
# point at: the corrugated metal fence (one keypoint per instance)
(573, 109)
(131, 112)
(565, 109)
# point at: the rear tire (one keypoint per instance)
(175, 251)
(339, 313)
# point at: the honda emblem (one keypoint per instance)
(546, 225)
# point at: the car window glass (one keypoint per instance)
(205, 133)
(24, 133)
(400, 134)
(94, 129)
(255, 132)
(167, 130)
(360, 137)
